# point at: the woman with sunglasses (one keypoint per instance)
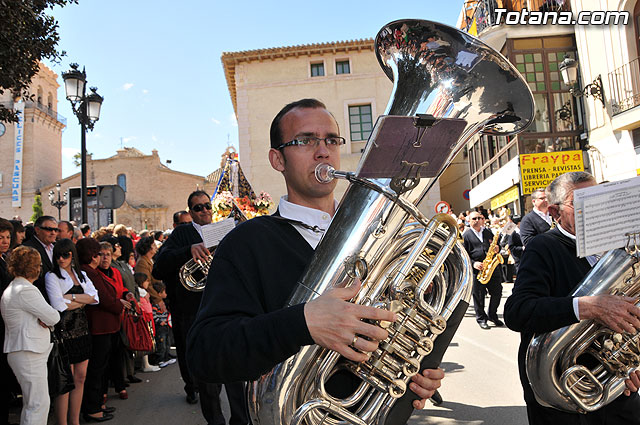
(70, 290)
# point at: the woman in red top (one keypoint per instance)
(105, 320)
(112, 276)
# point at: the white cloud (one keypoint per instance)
(68, 153)
(215, 121)
(145, 91)
(154, 138)
(127, 86)
(232, 118)
(128, 139)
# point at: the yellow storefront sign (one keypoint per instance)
(537, 170)
(505, 197)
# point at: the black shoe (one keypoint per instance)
(133, 379)
(109, 409)
(497, 322)
(484, 324)
(192, 398)
(105, 417)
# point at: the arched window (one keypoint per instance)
(50, 101)
(39, 99)
(122, 181)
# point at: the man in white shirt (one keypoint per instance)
(46, 230)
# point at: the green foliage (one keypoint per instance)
(77, 158)
(27, 35)
(37, 208)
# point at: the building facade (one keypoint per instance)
(153, 192)
(345, 76)
(30, 151)
(564, 119)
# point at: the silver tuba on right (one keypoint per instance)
(582, 367)
(448, 86)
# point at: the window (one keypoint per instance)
(342, 67)
(360, 122)
(122, 181)
(317, 69)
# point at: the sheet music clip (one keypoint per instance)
(633, 248)
(406, 149)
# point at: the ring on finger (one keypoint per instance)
(355, 339)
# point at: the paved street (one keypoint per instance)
(481, 386)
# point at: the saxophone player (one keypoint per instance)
(549, 271)
(242, 329)
(477, 242)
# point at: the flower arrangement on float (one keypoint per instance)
(251, 207)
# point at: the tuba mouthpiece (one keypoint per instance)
(325, 173)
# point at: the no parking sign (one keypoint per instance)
(443, 207)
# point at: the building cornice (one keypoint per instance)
(231, 59)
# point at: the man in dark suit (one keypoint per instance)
(540, 302)
(477, 240)
(46, 230)
(186, 243)
(537, 221)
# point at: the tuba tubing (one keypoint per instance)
(554, 359)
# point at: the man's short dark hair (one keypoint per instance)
(176, 216)
(84, 228)
(275, 133)
(44, 218)
(196, 194)
(69, 225)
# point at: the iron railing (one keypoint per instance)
(49, 111)
(482, 12)
(624, 83)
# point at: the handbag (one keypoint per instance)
(138, 337)
(59, 374)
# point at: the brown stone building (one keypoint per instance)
(153, 190)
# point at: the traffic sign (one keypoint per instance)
(443, 207)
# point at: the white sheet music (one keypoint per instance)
(604, 214)
(213, 233)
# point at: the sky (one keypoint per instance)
(157, 64)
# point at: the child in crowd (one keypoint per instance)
(142, 280)
(160, 318)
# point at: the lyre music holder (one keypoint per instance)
(410, 147)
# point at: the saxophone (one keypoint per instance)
(407, 263)
(491, 261)
(582, 367)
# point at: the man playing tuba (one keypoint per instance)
(242, 323)
(549, 271)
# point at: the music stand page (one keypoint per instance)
(400, 146)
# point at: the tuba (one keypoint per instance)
(444, 80)
(582, 367)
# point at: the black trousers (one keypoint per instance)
(209, 392)
(96, 370)
(494, 288)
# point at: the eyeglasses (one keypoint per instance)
(105, 254)
(201, 207)
(312, 141)
(49, 229)
(477, 218)
(66, 255)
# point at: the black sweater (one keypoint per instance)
(242, 330)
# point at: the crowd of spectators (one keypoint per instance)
(63, 283)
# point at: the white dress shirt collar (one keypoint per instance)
(198, 229)
(545, 216)
(478, 234)
(309, 216)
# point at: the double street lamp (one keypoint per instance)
(87, 108)
(60, 202)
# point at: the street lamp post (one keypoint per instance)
(60, 202)
(87, 108)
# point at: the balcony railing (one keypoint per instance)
(625, 87)
(482, 12)
(49, 111)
